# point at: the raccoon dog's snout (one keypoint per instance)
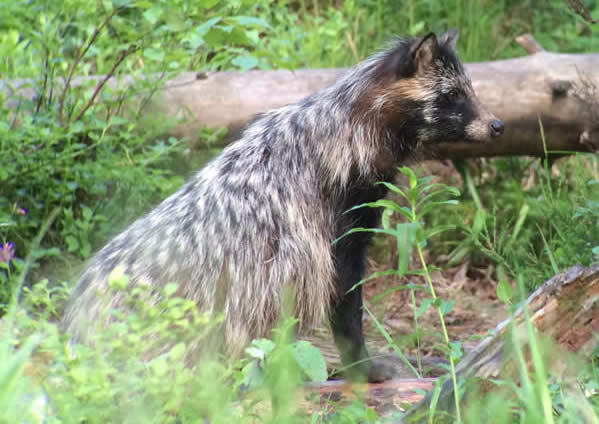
(496, 127)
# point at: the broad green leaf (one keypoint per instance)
(175, 22)
(504, 292)
(86, 212)
(153, 14)
(446, 306)
(264, 344)
(245, 62)
(72, 243)
(253, 376)
(310, 360)
(254, 352)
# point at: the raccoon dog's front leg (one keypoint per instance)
(346, 314)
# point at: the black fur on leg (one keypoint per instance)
(350, 260)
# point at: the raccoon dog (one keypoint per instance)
(263, 214)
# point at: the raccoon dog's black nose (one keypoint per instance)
(496, 127)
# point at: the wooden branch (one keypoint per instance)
(529, 44)
(542, 86)
(565, 309)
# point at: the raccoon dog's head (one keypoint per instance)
(428, 97)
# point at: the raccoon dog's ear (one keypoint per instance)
(449, 38)
(424, 52)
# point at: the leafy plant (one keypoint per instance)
(422, 197)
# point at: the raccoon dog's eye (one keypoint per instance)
(452, 95)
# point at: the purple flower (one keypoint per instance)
(7, 252)
(21, 211)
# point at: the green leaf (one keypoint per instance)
(595, 250)
(387, 204)
(72, 243)
(446, 306)
(154, 54)
(245, 62)
(480, 219)
(438, 230)
(86, 212)
(431, 195)
(406, 238)
(366, 230)
(254, 352)
(394, 189)
(456, 350)
(310, 360)
(519, 223)
(504, 292)
(249, 21)
(206, 26)
(413, 179)
(253, 376)
(264, 344)
(175, 22)
(153, 14)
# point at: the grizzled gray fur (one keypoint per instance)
(263, 214)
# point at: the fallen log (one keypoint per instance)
(557, 89)
(565, 310)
